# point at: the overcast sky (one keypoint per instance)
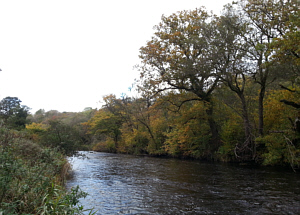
(66, 55)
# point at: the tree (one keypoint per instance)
(182, 57)
(134, 121)
(286, 22)
(38, 116)
(8, 106)
(186, 130)
(272, 26)
(234, 71)
(105, 123)
(59, 135)
(13, 113)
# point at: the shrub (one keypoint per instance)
(31, 178)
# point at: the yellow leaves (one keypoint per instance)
(102, 122)
(188, 131)
(36, 127)
(276, 112)
(105, 146)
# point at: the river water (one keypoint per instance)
(127, 184)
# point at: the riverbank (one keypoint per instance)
(32, 178)
(251, 163)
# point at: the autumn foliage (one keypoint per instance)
(213, 87)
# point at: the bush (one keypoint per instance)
(280, 150)
(105, 146)
(32, 177)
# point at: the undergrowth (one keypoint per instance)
(32, 178)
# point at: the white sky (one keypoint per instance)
(66, 55)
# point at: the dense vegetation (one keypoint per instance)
(213, 87)
(32, 172)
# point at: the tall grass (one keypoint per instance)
(32, 178)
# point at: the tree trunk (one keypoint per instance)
(213, 129)
(261, 110)
(245, 151)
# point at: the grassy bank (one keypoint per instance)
(32, 178)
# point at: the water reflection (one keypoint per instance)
(126, 184)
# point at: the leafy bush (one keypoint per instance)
(32, 177)
(280, 150)
(105, 146)
(56, 134)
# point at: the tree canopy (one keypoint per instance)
(13, 113)
(210, 87)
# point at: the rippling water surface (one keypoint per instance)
(126, 184)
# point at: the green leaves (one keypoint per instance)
(12, 113)
(31, 178)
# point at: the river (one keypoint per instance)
(128, 184)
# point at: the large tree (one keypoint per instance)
(181, 56)
(233, 70)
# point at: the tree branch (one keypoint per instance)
(283, 87)
(290, 103)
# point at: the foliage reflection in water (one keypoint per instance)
(127, 184)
